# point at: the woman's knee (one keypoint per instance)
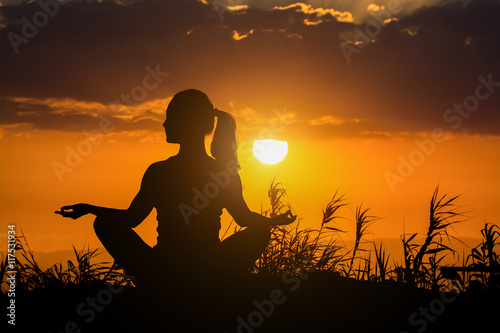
(99, 225)
(259, 233)
(103, 227)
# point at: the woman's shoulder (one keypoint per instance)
(160, 166)
(175, 164)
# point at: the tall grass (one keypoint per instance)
(382, 270)
(294, 249)
(363, 221)
(485, 260)
(421, 262)
(82, 272)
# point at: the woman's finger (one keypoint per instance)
(290, 215)
(63, 213)
(66, 208)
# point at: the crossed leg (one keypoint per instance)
(239, 251)
(124, 245)
(235, 255)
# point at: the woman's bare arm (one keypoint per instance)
(138, 210)
(242, 215)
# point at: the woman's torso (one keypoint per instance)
(188, 196)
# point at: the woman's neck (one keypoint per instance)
(193, 150)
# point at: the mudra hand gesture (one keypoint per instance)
(74, 211)
(283, 219)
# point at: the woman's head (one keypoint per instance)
(191, 116)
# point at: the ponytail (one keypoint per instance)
(223, 146)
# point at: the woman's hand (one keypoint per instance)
(74, 211)
(284, 219)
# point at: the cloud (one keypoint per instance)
(62, 106)
(70, 106)
(356, 8)
(402, 79)
(318, 12)
(237, 8)
(412, 31)
(67, 114)
(330, 120)
(16, 130)
(308, 22)
(237, 36)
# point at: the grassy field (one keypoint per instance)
(307, 280)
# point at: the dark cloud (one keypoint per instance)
(50, 117)
(400, 82)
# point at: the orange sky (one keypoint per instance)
(347, 123)
(312, 171)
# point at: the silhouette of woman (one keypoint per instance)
(188, 191)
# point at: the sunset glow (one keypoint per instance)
(365, 94)
(189, 165)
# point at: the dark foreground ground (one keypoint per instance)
(321, 302)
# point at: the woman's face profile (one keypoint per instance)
(173, 126)
(187, 118)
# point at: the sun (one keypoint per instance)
(270, 151)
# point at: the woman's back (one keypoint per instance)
(188, 195)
